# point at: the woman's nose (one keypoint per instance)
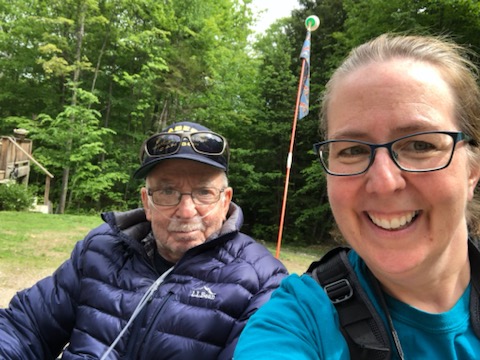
(384, 176)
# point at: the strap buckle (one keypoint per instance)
(339, 291)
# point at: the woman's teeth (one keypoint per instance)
(393, 223)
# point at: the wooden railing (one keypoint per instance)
(15, 157)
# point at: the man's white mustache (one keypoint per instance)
(177, 225)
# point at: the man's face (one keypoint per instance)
(181, 227)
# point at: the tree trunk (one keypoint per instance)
(79, 33)
(63, 193)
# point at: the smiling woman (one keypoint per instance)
(402, 164)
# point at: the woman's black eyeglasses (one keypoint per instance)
(419, 152)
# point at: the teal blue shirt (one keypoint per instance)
(300, 323)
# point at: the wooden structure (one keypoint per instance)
(15, 158)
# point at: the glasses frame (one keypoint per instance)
(180, 195)
(457, 136)
(181, 136)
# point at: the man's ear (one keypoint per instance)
(146, 203)
(227, 199)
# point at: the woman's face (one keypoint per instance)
(380, 102)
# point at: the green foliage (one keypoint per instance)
(92, 79)
(15, 197)
(456, 18)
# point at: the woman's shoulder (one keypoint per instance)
(304, 291)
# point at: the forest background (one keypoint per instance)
(91, 79)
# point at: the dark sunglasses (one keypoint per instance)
(202, 142)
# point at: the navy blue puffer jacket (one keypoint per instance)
(198, 311)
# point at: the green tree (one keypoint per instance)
(118, 70)
(307, 217)
(343, 27)
(91, 79)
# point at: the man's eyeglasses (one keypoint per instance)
(202, 142)
(171, 197)
(419, 152)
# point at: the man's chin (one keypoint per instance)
(186, 242)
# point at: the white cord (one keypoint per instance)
(145, 299)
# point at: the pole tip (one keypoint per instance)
(312, 22)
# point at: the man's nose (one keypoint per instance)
(186, 207)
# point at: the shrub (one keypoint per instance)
(15, 197)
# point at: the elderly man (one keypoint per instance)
(175, 280)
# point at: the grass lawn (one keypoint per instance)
(33, 245)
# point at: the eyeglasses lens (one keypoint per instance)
(207, 143)
(163, 144)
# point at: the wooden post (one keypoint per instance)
(47, 190)
(4, 152)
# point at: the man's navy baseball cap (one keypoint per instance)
(183, 140)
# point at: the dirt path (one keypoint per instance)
(23, 278)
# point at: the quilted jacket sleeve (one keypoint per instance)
(38, 321)
(270, 272)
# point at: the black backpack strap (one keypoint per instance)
(474, 255)
(361, 325)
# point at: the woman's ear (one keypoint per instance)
(473, 177)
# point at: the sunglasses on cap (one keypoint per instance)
(169, 143)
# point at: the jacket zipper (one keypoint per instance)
(136, 341)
